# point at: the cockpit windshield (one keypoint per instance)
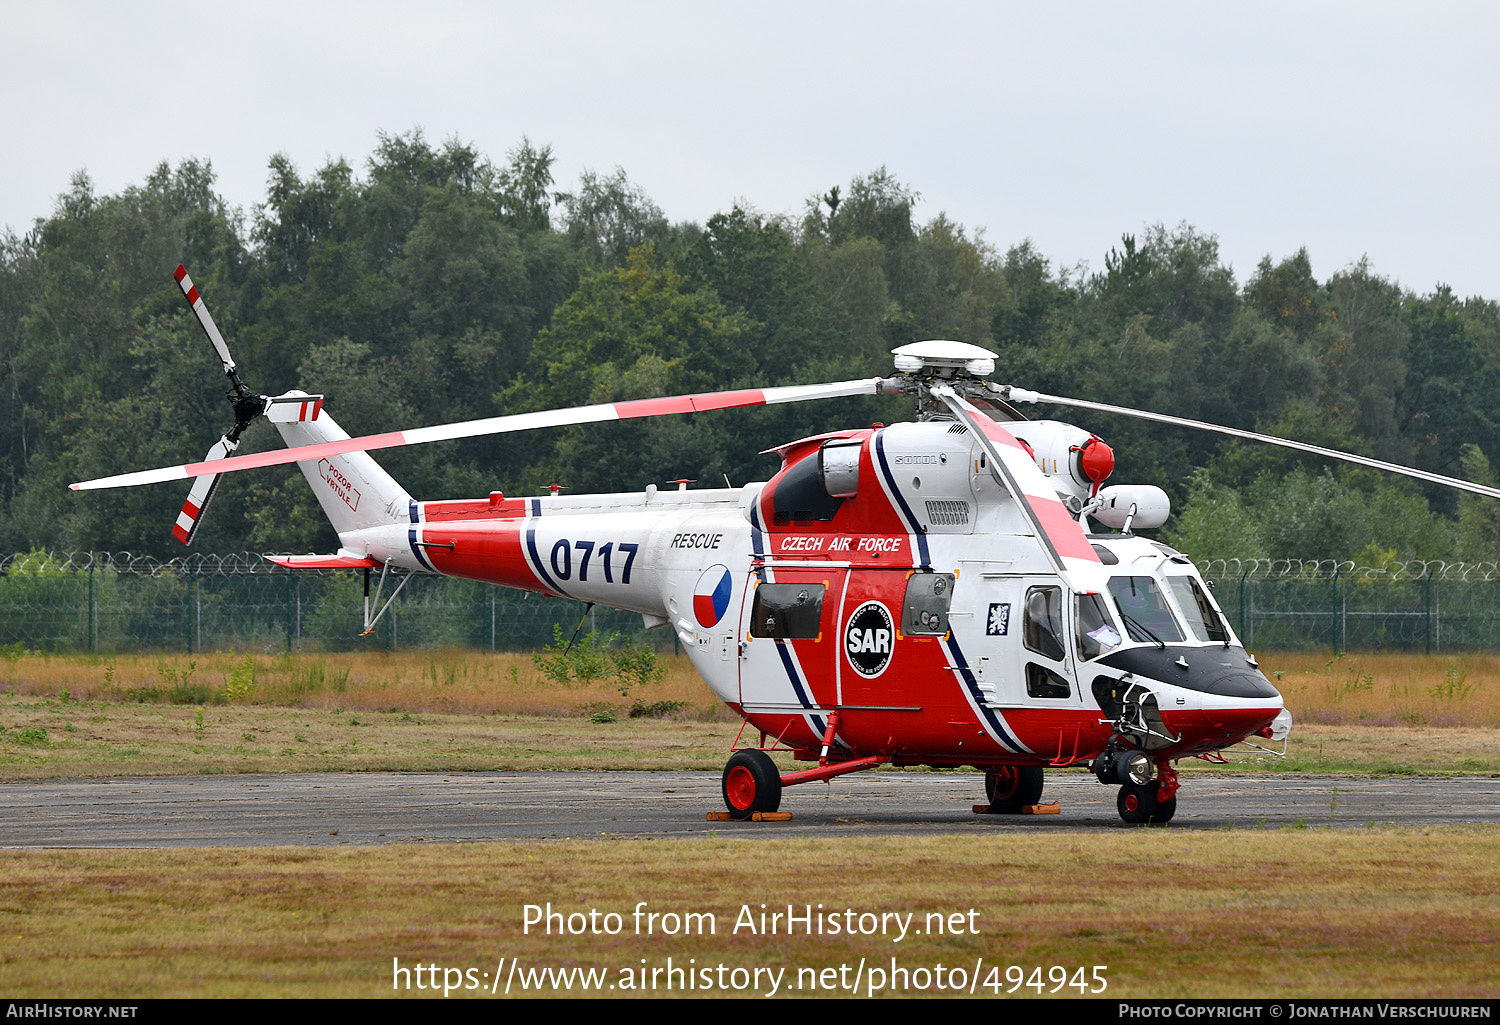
(1199, 612)
(1144, 609)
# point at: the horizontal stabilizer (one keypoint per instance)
(323, 561)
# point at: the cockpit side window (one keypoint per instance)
(1042, 631)
(1199, 612)
(1096, 634)
(1144, 609)
(1042, 682)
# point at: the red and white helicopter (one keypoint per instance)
(925, 593)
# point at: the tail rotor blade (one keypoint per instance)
(191, 517)
(295, 408)
(204, 320)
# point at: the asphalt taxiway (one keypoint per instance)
(390, 807)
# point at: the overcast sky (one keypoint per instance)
(1350, 128)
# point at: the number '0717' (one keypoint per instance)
(588, 553)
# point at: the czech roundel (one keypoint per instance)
(711, 596)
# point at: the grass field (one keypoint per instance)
(76, 716)
(1388, 912)
(47, 738)
(448, 680)
(1326, 688)
(1284, 914)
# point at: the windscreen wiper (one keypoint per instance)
(1136, 624)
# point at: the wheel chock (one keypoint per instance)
(1029, 809)
(755, 816)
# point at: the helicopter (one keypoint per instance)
(961, 590)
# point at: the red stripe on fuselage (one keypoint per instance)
(473, 509)
(491, 550)
(1058, 733)
(1216, 726)
(875, 511)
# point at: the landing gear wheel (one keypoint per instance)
(752, 783)
(1011, 788)
(1164, 809)
(1137, 804)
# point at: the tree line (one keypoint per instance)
(435, 284)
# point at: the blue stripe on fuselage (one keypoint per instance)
(536, 560)
(782, 646)
(971, 683)
(911, 520)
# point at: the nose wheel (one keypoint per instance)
(1140, 803)
(1150, 800)
(1141, 798)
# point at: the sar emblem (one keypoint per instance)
(711, 596)
(869, 639)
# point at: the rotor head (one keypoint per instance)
(944, 359)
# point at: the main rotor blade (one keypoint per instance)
(1073, 559)
(629, 410)
(1022, 395)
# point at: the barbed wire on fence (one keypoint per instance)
(1328, 569)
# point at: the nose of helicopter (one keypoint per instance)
(1233, 724)
(1207, 720)
(1217, 700)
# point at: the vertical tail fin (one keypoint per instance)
(353, 489)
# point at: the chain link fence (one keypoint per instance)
(1417, 606)
(114, 602)
(99, 601)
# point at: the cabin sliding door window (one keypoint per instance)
(788, 611)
